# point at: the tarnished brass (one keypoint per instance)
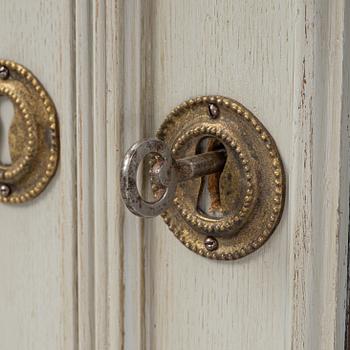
(33, 135)
(247, 197)
(217, 178)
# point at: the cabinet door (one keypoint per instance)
(288, 62)
(38, 239)
(79, 271)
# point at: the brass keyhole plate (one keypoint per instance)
(249, 196)
(33, 135)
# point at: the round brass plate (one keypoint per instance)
(33, 135)
(248, 196)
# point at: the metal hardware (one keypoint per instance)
(5, 190)
(211, 244)
(4, 73)
(211, 144)
(213, 110)
(33, 135)
(168, 174)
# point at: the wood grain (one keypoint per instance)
(284, 62)
(38, 239)
(78, 272)
(319, 204)
(99, 76)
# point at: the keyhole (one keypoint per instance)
(6, 115)
(209, 202)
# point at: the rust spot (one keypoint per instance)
(214, 182)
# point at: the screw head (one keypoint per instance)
(211, 243)
(4, 72)
(213, 111)
(5, 190)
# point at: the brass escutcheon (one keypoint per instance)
(217, 146)
(33, 135)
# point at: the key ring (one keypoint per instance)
(130, 192)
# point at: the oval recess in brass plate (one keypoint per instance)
(33, 135)
(233, 210)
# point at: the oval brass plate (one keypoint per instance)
(246, 199)
(33, 135)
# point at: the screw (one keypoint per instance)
(213, 111)
(4, 72)
(211, 243)
(5, 190)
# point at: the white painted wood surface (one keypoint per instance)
(285, 63)
(79, 272)
(38, 240)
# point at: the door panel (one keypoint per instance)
(38, 241)
(215, 48)
(81, 272)
(281, 63)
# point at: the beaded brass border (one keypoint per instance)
(270, 203)
(35, 157)
(230, 222)
(11, 171)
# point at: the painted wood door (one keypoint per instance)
(78, 271)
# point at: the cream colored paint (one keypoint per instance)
(80, 272)
(38, 239)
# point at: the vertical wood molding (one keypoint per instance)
(99, 74)
(85, 249)
(344, 200)
(319, 200)
(115, 152)
(124, 64)
(138, 94)
(112, 82)
(346, 146)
